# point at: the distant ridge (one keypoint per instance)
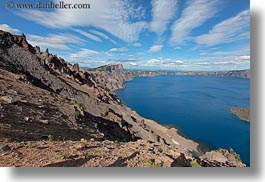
(232, 73)
(109, 67)
(117, 67)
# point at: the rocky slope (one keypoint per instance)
(90, 153)
(48, 105)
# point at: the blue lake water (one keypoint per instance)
(198, 106)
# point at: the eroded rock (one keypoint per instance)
(8, 99)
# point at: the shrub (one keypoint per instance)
(158, 165)
(82, 105)
(107, 89)
(77, 114)
(150, 162)
(31, 146)
(6, 140)
(194, 164)
(238, 157)
(65, 155)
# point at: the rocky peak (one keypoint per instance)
(76, 67)
(7, 40)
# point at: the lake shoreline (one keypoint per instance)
(203, 146)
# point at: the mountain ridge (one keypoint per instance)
(231, 73)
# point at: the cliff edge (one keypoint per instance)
(111, 76)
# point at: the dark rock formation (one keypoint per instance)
(7, 41)
(5, 148)
(76, 67)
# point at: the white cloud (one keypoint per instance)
(194, 15)
(155, 48)
(137, 44)
(55, 41)
(204, 63)
(162, 62)
(88, 35)
(176, 48)
(163, 11)
(152, 62)
(229, 30)
(133, 64)
(125, 61)
(122, 49)
(233, 52)
(244, 58)
(84, 53)
(7, 28)
(177, 62)
(102, 35)
(86, 62)
(236, 59)
(224, 63)
(111, 16)
(109, 54)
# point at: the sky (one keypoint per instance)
(184, 35)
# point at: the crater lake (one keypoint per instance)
(198, 106)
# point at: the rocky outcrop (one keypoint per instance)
(238, 74)
(242, 113)
(7, 41)
(45, 98)
(111, 77)
(110, 68)
(221, 158)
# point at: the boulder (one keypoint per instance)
(80, 146)
(8, 99)
(44, 121)
(181, 161)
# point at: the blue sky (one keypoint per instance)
(141, 34)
